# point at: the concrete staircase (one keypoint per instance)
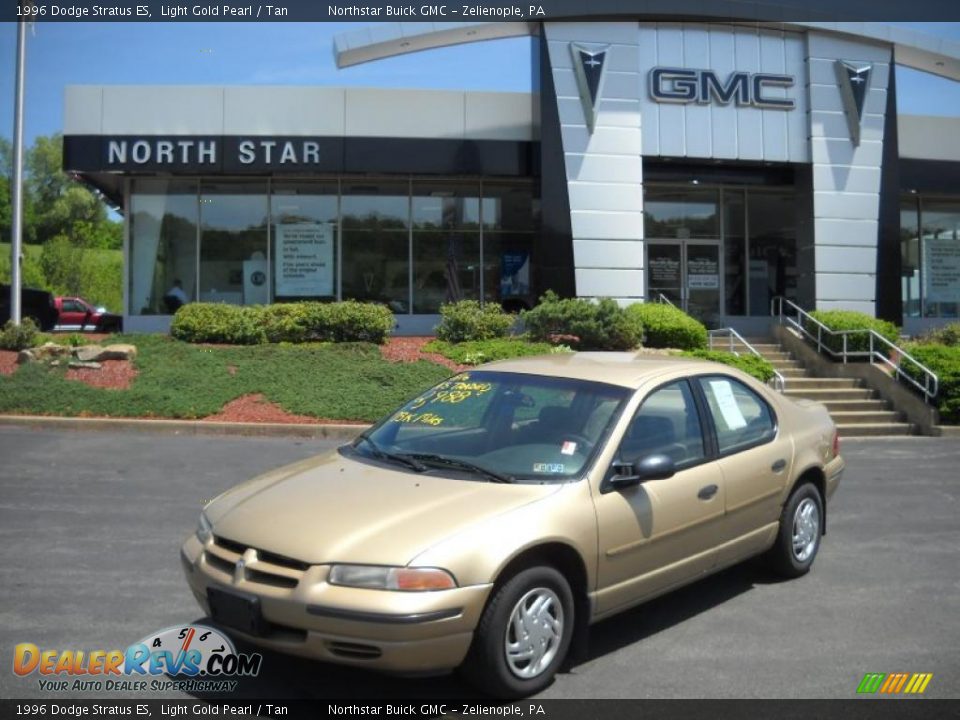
(856, 409)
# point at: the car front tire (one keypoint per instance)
(801, 527)
(523, 635)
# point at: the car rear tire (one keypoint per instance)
(801, 527)
(523, 635)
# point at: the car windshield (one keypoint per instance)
(497, 426)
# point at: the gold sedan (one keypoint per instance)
(492, 519)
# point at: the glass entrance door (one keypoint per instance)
(687, 274)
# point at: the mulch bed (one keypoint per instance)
(410, 349)
(257, 409)
(113, 375)
(8, 362)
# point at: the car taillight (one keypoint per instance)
(836, 443)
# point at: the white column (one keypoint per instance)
(604, 169)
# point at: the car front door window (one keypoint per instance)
(667, 423)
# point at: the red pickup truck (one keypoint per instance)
(77, 314)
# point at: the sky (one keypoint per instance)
(61, 54)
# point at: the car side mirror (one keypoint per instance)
(651, 467)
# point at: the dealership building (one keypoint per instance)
(713, 165)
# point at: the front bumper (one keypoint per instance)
(402, 632)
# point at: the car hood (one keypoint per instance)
(333, 508)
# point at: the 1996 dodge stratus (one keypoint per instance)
(493, 517)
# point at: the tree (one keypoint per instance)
(6, 158)
(46, 180)
(6, 209)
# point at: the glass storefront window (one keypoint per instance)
(910, 256)
(510, 207)
(233, 243)
(375, 218)
(163, 245)
(254, 242)
(511, 215)
(734, 252)
(680, 213)
(446, 244)
(772, 266)
(304, 240)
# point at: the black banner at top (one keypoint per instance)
(476, 10)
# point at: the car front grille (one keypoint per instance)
(260, 566)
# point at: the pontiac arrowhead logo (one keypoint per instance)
(854, 81)
(588, 66)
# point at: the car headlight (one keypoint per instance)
(381, 577)
(204, 529)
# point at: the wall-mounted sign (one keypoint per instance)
(588, 66)
(681, 85)
(303, 266)
(854, 81)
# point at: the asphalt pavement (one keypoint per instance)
(91, 523)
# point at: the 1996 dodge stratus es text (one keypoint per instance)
(487, 521)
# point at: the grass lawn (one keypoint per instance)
(349, 381)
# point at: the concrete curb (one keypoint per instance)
(952, 431)
(186, 427)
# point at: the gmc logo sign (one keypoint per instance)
(679, 85)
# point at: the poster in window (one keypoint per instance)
(941, 270)
(514, 273)
(303, 266)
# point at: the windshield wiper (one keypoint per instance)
(379, 452)
(491, 475)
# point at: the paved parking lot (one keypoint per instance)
(91, 522)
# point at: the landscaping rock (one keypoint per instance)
(87, 353)
(84, 365)
(49, 350)
(117, 351)
(26, 356)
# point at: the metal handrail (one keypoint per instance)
(663, 299)
(779, 381)
(931, 383)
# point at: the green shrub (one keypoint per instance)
(583, 324)
(286, 322)
(352, 321)
(665, 326)
(944, 360)
(946, 335)
(468, 320)
(348, 321)
(749, 363)
(217, 323)
(852, 320)
(18, 337)
(476, 352)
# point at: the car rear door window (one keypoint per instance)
(742, 419)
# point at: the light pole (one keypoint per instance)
(16, 241)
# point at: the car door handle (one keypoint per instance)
(778, 465)
(707, 492)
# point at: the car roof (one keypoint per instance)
(629, 369)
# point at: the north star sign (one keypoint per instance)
(206, 151)
(680, 85)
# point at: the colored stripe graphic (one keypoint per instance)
(894, 683)
(871, 682)
(919, 681)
